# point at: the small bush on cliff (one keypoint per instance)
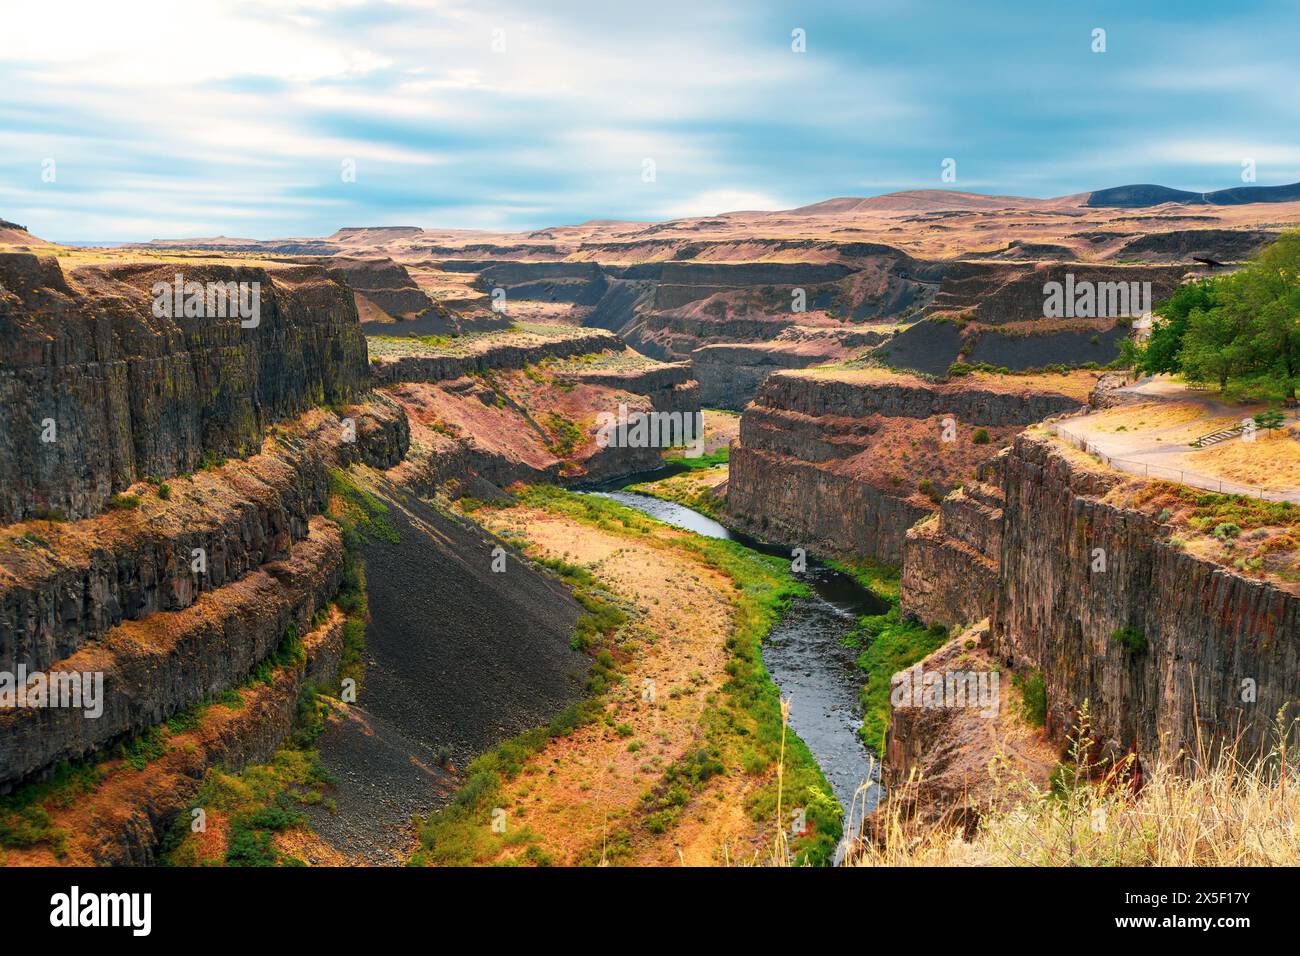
(568, 435)
(1033, 696)
(1130, 638)
(930, 490)
(24, 814)
(360, 514)
(981, 436)
(124, 502)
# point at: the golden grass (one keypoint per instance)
(1075, 384)
(1148, 416)
(1216, 812)
(1271, 461)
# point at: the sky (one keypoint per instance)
(134, 120)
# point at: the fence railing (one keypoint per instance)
(1182, 476)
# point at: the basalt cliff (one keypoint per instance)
(190, 506)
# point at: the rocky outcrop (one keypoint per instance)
(950, 559)
(123, 820)
(784, 499)
(1222, 245)
(730, 374)
(1107, 394)
(65, 584)
(668, 386)
(1218, 653)
(157, 666)
(848, 461)
(683, 282)
(476, 435)
(441, 365)
(939, 758)
(904, 397)
(582, 283)
(994, 293)
(385, 283)
(96, 392)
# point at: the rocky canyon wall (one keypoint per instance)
(1219, 651)
(847, 461)
(96, 392)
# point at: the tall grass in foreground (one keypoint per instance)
(1218, 811)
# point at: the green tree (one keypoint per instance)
(1263, 300)
(1243, 327)
(1211, 348)
(1161, 351)
(1270, 420)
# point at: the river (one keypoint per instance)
(807, 658)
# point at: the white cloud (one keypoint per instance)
(715, 201)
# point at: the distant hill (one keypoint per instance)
(914, 199)
(13, 234)
(1148, 194)
(374, 233)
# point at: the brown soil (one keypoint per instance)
(590, 783)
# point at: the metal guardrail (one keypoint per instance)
(1190, 478)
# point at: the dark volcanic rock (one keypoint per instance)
(1207, 629)
(124, 394)
(458, 656)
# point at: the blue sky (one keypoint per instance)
(170, 118)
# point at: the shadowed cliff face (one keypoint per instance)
(950, 558)
(1207, 629)
(88, 576)
(97, 392)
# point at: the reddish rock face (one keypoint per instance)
(848, 466)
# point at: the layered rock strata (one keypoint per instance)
(97, 392)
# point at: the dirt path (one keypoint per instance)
(584, 790)
(1161, 449)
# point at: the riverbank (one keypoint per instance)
(681, 758)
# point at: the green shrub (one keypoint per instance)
(1033, 696)
(981, 436)
(1130, 638)
(928, 488)
(893, 645)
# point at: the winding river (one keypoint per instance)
(806, 656)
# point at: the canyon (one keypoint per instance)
(233, 523)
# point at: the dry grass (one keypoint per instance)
(1147, 416)
(1215, 812)
(1077, 383)
(1271, 461)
